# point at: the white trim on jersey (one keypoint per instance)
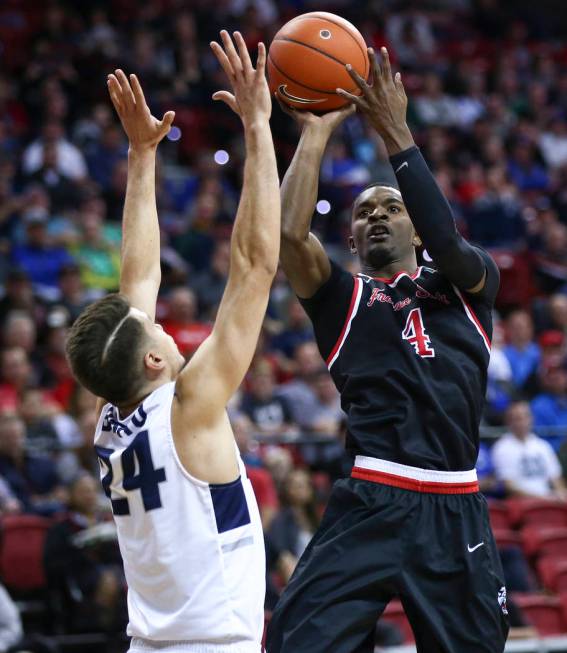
(415, 473)
(353, 309)
(473, 318)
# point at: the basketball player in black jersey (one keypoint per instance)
(408, 348)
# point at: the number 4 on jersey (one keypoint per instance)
(414, 333)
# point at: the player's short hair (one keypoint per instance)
(377, 184)
(104, 350)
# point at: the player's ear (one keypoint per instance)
(416, 241)
(154, 362)
(351, 245)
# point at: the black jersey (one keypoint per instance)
(409, 356)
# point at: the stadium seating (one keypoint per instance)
(544, 541)
(499, 515)
(543, 512)
(552, 571)
(544, 613)
(21, 553)
(506, 537)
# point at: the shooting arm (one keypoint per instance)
(302, 256)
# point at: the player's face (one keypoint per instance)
(382, 231)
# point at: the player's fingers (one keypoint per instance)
(227, 98)
(374, 66)
(231, 52)
(284, 107)
(115, 92)
(385, 65)
(222, 59)
(399, 84)
(261, 60)
(357, 79)
(356, 100)
(244, 54)
(137, 90)
(128, 100)
(167, 121)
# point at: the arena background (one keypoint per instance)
(487, 82)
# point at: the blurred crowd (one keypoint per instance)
(487, 83)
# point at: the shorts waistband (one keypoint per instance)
(414, 478)
(144, 645)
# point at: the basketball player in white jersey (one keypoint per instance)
(188, 524)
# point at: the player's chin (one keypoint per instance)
(379, 253)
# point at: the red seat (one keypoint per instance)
(544, 613)
(540, 512)
(506, 537)
(546, 541)
(499, 517)
(21, 552)
(552, 572)
(394, 613)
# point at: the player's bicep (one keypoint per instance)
(305, 264)
(217, 368)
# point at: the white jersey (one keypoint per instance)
(193, 552)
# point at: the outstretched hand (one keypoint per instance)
(142, 129)
(384, 102)
(326, 121)
(251, 96)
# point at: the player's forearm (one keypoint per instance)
(256, 233)
(140, 227)
(301, 183)
(434, 222)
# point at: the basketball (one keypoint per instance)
(307, 58)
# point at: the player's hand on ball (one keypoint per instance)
(142, 129)
(384, 102)
(251, 96)
(327, 122)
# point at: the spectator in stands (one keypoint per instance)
(73, 295)
(98, 253)
(296, 522)
(551, 259)
(500, 387)
(181, 322)
(299, 392)
(82, 563)
(40, 260)
(19, 295)
(70, 161)
(433, 106)
(10, 621)
(549, 408)
(297, 328)
(522, 352)
(526, 463)
(32, 479)
(209, 284)
(270, 413)
(489, 484)
(16, 374)
(262, 482)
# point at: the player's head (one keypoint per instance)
(118, 353)
(382, 231)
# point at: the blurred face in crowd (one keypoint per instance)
(83, 496)
(519, 419)
(558, 310)
(70, 282)
(15, 367)
(262, 381)
(307, 359)
(182, 305)
(519, 328)
(325, 388)
(12, 436)
(20, 331)
(555, 380)
(298, 488)
(32, 406)
(296, 316)
(36, 234)
(221, 258)
(19, 290)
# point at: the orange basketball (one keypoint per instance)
(306, 61)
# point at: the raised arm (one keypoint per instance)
(218, 367)
(302, 256)
(384, 103)
(140, 274)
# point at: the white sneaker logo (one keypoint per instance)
(404, 165)
(474, 548)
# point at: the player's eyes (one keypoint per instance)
(364, 213)
(394, 209)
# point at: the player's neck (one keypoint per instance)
(126, 409)
(404, 264)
